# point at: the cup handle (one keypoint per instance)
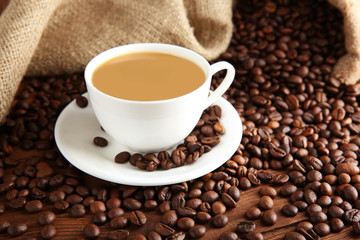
(225, 84)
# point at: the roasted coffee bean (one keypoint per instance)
(164, 230)
(185, 223)
(119, 222)
(178, 201)
(356, 228)
(335, 212)
(352, 215)
(74, 199)
(186, 212)
(293, 236)
(269, 217)
(61, 205)
(91, 231)
(78, 210)
(131, 204)
(220, 220)
(115, 212)
(176, 236)
(254, 236)
(97, 206)
(228, 200)
(301, 205)
(113, 203)
(100, 141)
(197, 231)
(99, 218)
(253, 179)
(318, 217)
(33, 206)
(253, 213)
(350, 193)
(48, 232)
(15, 230)
(137, 218)
(322, 229)
(289, 210)
(17, 203)
(81, 101)
(210, 196)
(203, 217)
(268, 191)
(169, 218)
(228, 236)
(118, 235)
(348, 168)
(122, 157)
(56, 195)
(245, 227)
(4, 225)
(152, 235)
(266, 203)
(336, 225)
(218, 208)
(287, 190)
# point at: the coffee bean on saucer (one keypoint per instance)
(82, 101)
(122, 157)
(100, 142)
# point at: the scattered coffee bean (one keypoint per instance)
(99, 218)
(228, 236)
(78, 210)
(269, 217)
(48, 232)
(91, 231)
(33, 206)
(245, 227)
(253, 213)
(219, 220)
(118, 235)
(293, 236)
(18, 229)
(254, 236)
(197, 231)
(46, 217)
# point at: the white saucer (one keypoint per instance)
(76, 127)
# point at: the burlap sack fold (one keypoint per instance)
(347, 69)
(60, 36)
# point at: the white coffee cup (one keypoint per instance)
(153, 126)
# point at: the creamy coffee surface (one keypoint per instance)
(147, 76)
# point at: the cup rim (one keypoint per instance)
(155, 47)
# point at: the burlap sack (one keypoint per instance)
(347, 69)
(60, 36)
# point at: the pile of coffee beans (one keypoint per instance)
(300, 143)
(206, 135)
